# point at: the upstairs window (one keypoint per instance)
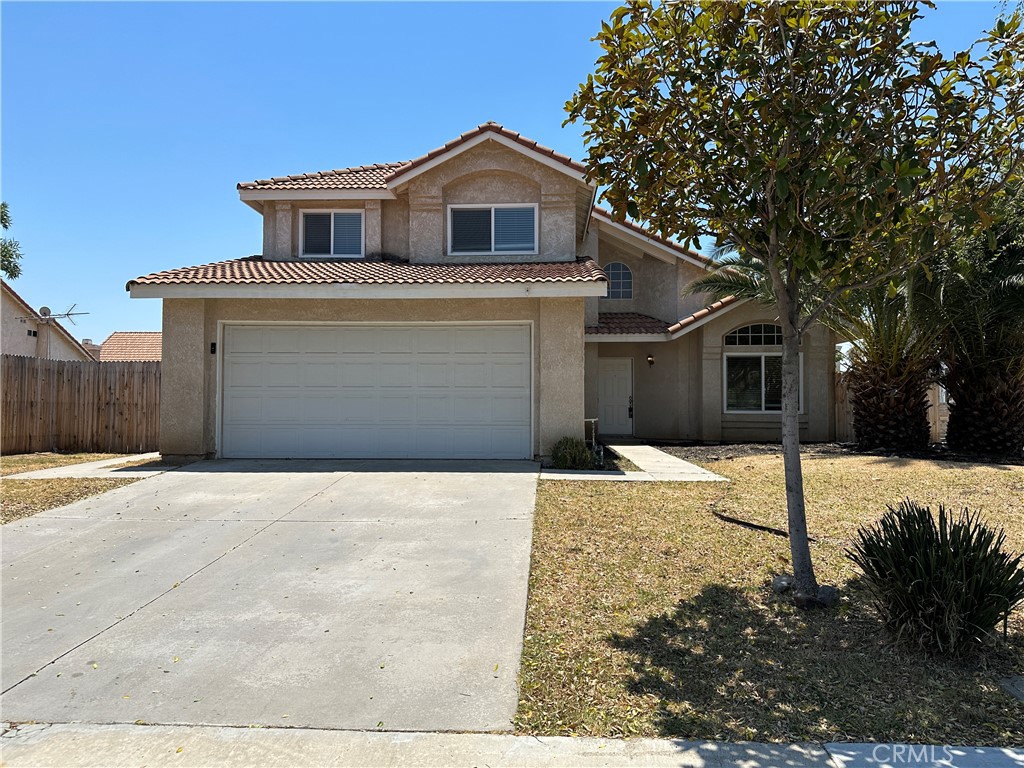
(332, 233)
(474, 229)
(756, 335)
(620, 281)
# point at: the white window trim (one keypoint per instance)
(492, 206)
(632, 283)
(762, 355)
(332, 211)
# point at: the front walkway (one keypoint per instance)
(73, 745)
(103, 469)
(655, 466)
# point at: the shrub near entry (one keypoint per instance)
(572, 453)
(943, 584)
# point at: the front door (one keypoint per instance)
(615, 395)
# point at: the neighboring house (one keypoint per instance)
(131, 346)
(469, 303)
(27, 333)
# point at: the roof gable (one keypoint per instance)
(379, 180)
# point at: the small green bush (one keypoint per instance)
(942, 585)
(572, 453)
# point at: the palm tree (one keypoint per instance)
(891, 359)
(974, 297)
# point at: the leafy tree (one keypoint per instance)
(815, 136)
(10, 250)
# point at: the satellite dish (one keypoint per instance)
(44, 311)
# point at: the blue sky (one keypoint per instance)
(125, 126)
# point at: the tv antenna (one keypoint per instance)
(70, 315)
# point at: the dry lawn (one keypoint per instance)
(648, 616)
(23, 498)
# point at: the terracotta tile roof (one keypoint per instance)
(358, 177)
(131, 346)
(644, 232)
(380, 175)
(258, 270)
(484, 128)
(618, 323)
(696, 317)
(631, 323)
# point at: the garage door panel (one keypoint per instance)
(358, 407)
(280, 373)
(509, 410)
(431, 374)
(323, 340)
(514, 375)
(471, 374)
(433, 341)
(397, 407)
(396, 374)
(240, 373)
(434, 409)
(373, 391)
(243, 339)
(283, 340)
(320, 374)
(244, 408)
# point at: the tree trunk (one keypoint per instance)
(806, 585)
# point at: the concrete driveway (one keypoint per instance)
(322, 594)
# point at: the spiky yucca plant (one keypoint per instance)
(940, 584)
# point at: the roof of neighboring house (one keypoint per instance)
(124, 346)
(256, 269)
(381, 175)
(629, 323)
(52, 321)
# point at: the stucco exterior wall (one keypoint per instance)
(183, 387)
(491, 173)
(655, 285)
(415, 225)
(189, 373)
(680, 396)
(817, 420)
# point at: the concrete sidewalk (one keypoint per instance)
(655, 466)
(76, 745)
(104, 469)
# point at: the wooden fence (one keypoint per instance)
(69, 405)
(938, 412)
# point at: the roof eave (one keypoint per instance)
(550, 289)
(707, 318)
(250, 195)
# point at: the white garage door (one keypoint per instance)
(361, 391)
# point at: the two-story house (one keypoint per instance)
(470, 303)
